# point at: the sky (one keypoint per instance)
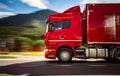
(14, 7)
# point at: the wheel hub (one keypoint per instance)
(65, 55)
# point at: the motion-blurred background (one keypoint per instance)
(22, 22)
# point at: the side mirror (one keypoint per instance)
(51, 27)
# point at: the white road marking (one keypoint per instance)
(97, 65)
(63, 65)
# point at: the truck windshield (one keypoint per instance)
(58, 25)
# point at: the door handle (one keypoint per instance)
(62, 37)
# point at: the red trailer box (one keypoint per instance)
(103, 23)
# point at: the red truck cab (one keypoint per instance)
(64, 30)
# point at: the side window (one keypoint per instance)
(57, 25)
(66, 24)
(62, 25)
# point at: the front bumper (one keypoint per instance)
(50, 53)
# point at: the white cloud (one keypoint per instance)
(6, 14)
(41, 4)
(3, 6)
(99, 1)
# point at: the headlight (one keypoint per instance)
(45, 50)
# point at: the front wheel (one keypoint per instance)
(64, 55)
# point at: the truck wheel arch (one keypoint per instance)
(73, 54)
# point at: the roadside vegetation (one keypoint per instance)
(21, 40)
(7, 57)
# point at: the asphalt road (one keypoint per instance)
(38, 67)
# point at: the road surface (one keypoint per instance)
(36, 66)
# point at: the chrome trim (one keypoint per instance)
(65, 40)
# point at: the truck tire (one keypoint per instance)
(117, 55)
(64, 55)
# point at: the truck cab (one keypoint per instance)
(63, 31)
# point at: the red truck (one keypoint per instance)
(95, 33)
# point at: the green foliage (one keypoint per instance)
(38, 43)
(26, 37)
(22, 44)
(7, 56)
(24, 31)
(23, 40)
(28, 41)
(27, 44)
